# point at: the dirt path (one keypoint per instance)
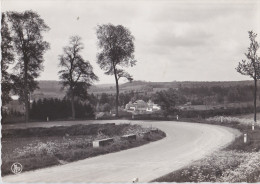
(184, 143)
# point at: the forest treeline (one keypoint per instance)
(57, 109)
(168, 99)
(197, 96)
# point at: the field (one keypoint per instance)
(238, 162)
(249, 116)
(51, 89)
(36, 148)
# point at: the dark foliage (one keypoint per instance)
(167, 100)
(7, 53)
(12, 117)
(56, 109)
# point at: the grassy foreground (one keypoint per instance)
(239, 162)
(37, 148)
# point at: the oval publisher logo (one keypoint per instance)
(16, 168)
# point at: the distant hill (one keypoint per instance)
(52, 89)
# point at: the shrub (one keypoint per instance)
(56, 109)
(223, 166)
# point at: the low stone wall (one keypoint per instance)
(130, 137)
(102, 142)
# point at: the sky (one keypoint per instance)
(177, 40)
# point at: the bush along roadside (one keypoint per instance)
(238, 162)
(45, 147)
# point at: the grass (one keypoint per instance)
(222, 166)
(37, 148)
(74, 130)
(238, 162)
(248, 116)
(239, 120)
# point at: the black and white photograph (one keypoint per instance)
(130, 91)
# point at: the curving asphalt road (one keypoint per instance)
(185, 142)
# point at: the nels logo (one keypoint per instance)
(16, 168)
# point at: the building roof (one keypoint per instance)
(140, 102)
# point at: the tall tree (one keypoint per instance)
(117, 51)
(7, 59)
(27, 29)
(251, 66)
(76, 74)
(167, 99)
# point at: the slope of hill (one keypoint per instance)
(48, 89)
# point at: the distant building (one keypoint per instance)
(152, 106)
(14, 106)
(141, 106)
(15, 97)
(187, 104)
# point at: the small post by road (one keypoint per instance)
(245, 138)
(135, 180)
(253, 126)
(177, 117)
(221, 119)
(47, 118)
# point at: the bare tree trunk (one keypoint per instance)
(117, 95)
(255, 79)
(72, 105)
(26, 107)
(26, 91)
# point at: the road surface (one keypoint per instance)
(185, 142)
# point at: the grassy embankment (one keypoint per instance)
(238, 162)
(37, 148)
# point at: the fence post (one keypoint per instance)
(245, 138)
(253, 126)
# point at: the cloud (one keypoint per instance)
(175, 40)
(201, 11)
(192, 38)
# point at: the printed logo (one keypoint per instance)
(16, 168)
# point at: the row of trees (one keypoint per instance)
(54, 109)
(196, 95)
(23, 46)
(218, 95)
